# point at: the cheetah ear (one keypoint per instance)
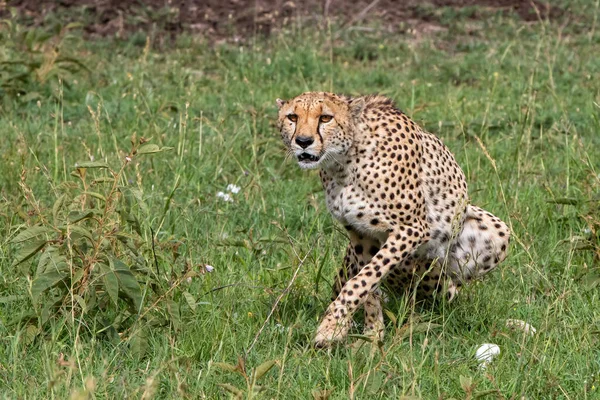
(356, 105)
(280, 103)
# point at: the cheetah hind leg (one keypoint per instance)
(374, 325)
(481, 245)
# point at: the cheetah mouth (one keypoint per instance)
(306, 157)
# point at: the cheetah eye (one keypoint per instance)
(292, 117)
(325, 118)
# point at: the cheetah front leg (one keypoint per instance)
(359, 253)
(400, 243)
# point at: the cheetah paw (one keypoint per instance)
(452, 291)
(375, 332)
(330, 331)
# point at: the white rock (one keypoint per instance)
(486, 353)
(517, 324)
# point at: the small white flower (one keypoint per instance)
(128, 159)
(233, 188)
(209, 268)
(224, 196)
(188, 279)
(517, 324)
(486, 353)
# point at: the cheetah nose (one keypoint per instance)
(304, 141)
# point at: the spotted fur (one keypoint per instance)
(401, 196)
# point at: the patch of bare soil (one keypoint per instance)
(242, 18)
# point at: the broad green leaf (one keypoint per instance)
(124, 236)
(232, 389)
(420, 327)
(80, 216)
(139, 197)
(31, 332)
(391, 316)
(57, 205)
(81, 302)
(174, 313)
(72, 60)
(226, 366)
(591, 280)
(128, 284)
(31, 233)
(129, 241)
(110, 282)
(91, 164)
(46, 281)
(258, 389)
(49, 308)
(51, 259)
(73, 25)
(131, 220)
(133, 196)
(466, 383)
(30, 97)
(104, 179)
(95, 195)
(150, 148)
(28, 251)
(191, 301)
(138, 344)
(80, 230)
(361, 337)
(77, 276)
(90, 297)
(263, 368)
(376, 380)
(45, 259)
(66, 185)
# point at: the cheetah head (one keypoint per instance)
(318, 128)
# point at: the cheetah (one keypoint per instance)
(402, 198)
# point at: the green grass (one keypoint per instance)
(519, 106)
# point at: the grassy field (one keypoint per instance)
(519, 106)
